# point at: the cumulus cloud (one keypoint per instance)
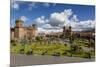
(40, 20)
(34, 5)
(14, 4)
(65, 18)
(48, 31)
(60, 19)
(41, 30)
(31, 6)
(68, 18)
(82, 25)
(46, 26)
(23, 18)
(74, 18)
(87, 24)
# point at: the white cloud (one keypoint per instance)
(42, 17)
(66, 18)
(82, 25)
(60, 19)
(15, 6)
(40, 21)
(74, 18)
(48, 31)
(34, 5)
(31, 6)
(41, 30)
(46, 26)
(23, 18)
(47, 21)
(87, 24)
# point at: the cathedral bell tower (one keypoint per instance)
(19, 29)
(19, 23)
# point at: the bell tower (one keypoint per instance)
(19, 29)
(19, 23)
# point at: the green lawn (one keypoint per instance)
(53, 49)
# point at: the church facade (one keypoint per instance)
(20, 32)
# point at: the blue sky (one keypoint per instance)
(32, 12)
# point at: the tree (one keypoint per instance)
(40, 39)
(87, 55)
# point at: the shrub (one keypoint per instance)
(56, 54)
(87, 55)
(22, 51)
(44, 52)
(29, 52)
(14, 44)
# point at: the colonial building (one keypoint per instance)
(67, 31)
(20, 32)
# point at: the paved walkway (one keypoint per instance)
(25, 60)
